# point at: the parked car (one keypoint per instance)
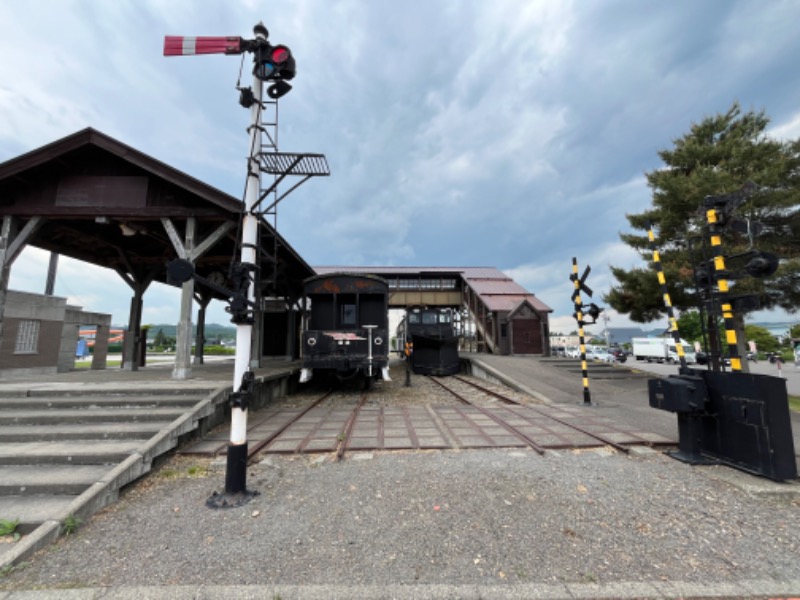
(619, 354)
(599, 353)
(573, 352)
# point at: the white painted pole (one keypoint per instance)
(235, 481)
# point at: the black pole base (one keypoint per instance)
(587, 398)
(236, 493)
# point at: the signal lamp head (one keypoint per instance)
(762, 264)
(280, 54)
(593, 311)
(273, 63)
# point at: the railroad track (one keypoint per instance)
(458, 392)
(344, 436)
(478, 417)
(256, 448)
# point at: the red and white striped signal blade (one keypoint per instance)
(185, 45)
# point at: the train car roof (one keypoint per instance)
(334, 283)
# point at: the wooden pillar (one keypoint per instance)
(188, 249)
(133, 341)
(200, 337)
(183, 343)
(100, 352)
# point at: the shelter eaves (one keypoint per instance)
(103, 202)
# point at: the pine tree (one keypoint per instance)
(719, 155)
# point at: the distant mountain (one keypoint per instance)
(213, 330)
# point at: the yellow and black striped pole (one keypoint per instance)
(576, 297)
(715, 228)
(673, 322)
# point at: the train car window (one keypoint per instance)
(444, 317)
(413, 318)
(348, 314)
(429, 318)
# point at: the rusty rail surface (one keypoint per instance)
(507, 400)
(251, 452)
(348, 428)
(510, 428)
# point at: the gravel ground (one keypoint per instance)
(483, 517)
(478, 517)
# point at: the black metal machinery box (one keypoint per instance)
(678, 393)
(739, 419)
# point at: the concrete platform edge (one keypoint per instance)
(505, 379)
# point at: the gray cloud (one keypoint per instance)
(511, 134)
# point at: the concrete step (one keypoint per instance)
(97, 401)
(76, 453)
(56, 480)
(76, 415)
(32, 511)
(80, 431)
(103, 390)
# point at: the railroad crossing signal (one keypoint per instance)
(581, 285)
(594, 311)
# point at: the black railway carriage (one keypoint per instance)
(435, 341)
(346, 326)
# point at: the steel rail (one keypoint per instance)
(349, 426)
(263, 443)
(510, 428)
(507, 400)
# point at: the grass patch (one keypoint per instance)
(8, 527)
(71, 524)
(190, 472)
(794, 403)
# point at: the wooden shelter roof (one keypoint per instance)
(103, 202)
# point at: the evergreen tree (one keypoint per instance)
(718, 156)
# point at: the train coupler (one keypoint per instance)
(385, 374)
(305, 375)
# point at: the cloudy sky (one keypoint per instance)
(512, 134)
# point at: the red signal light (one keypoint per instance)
(280, 54)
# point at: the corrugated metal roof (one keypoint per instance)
(509, 302)
(496, 289)
(496, 286)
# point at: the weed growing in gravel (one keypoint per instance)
(197, 471)
(8, 569)
(70, 524)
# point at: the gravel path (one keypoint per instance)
(508, 522)
(473, 517)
